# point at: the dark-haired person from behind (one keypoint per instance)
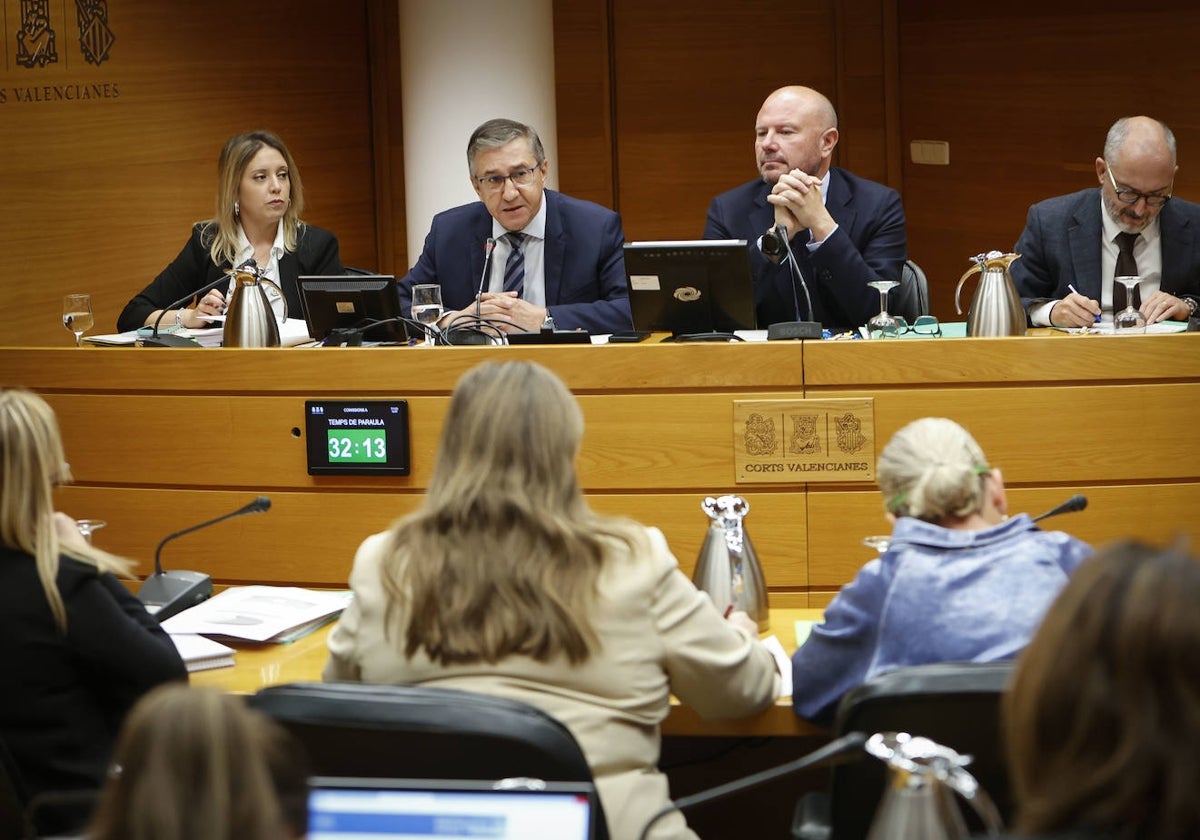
(78, 649)
(1102, 719)
(198, 764)
(259, 201)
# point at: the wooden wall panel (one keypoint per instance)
(1024, 92)
(690, 78)
(98, 195)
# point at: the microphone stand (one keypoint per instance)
(836, 749)
(167, 593)
(170, 340)
(794, 329)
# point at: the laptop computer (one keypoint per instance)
(350, 302)
(353, 808)
(690, 286)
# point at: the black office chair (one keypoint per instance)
(419, 732)
(911, 298)
(956, 704)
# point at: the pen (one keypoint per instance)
(729, 611)
(1095, 318)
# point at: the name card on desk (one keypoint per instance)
(793, 441)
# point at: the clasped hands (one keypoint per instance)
(798, 204)
(509, 312)
(1075, 310)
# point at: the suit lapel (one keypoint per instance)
(555, 251)
(1175, 232)
(1084, 234)
(839, 201)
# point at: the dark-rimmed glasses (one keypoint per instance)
(926, 325)
(520, 178)
(1129, 196)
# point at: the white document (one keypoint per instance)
(783, 662)
(260, 613)
(201, 654)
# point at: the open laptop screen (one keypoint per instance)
(690, 286)
(352, 301)
(420, 809)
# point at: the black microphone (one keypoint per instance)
(170, 340)
(353, 336)
(1071, 505)
(836, 749)
(797, 328)
(488, 247)
(167, 593)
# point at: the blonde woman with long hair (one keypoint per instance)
(961, 580)
(198, 764)
(259, 201)
(505, 582)
(78, 648)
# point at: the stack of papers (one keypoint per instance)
(260, 613)
(201, 654)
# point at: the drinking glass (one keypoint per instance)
(883, 323)
(879, 542)
(87, 527)
(427, 308)
(1128, 321)
(77, 316)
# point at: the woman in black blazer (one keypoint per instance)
(259, 201)
(78, 649)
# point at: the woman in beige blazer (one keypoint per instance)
(505, 582)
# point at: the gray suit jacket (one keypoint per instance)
(1060, 246)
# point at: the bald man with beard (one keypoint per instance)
(1072, 245)
(844, 231)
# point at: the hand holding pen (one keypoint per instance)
(1075, 310)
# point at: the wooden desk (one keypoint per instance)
(161, 440)
(257, 666)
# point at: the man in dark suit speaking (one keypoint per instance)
(844, 231)
(1073, 245)
(555, 260)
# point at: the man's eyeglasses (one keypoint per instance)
(1131, 196)
(924, 325)
(520, 178)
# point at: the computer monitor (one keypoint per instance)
(351, 302)
(690, 286)
(347, 808)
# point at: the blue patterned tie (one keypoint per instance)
(514, 268)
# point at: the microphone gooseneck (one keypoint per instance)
(781, 232)
(158, 341)
(488, 247)
(836, 749)
(259, 505)
(1075, 503)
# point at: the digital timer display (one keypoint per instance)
(357, 437)
(357, 446)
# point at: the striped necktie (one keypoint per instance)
(514, 268)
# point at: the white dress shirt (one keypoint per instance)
(535, 257)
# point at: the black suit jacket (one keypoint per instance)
(316, 253)
(869, 244)
(1060, 246)
(586, 285)
(65, 697)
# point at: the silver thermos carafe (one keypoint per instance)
(923, 777)
(728, 568)
(249, 319)
(996, 308)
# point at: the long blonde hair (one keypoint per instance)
(503, 556)
(198, 764)
(221, 232)
(932, 469)
(31, 465)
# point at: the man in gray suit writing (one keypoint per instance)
(1073, 245)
